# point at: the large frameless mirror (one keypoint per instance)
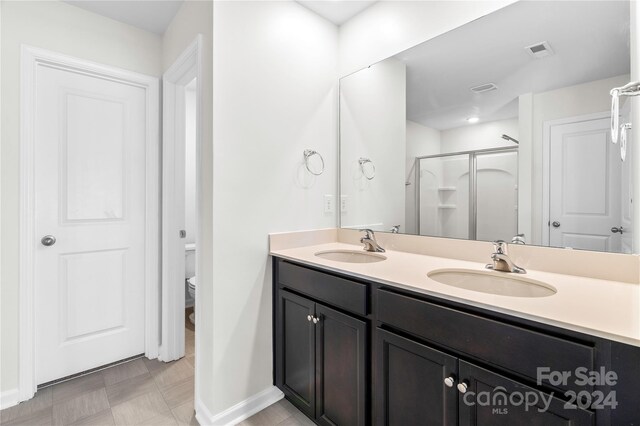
(499, 129)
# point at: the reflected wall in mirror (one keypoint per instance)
(499, 129)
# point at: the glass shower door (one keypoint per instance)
(496, 195)
(443, 202)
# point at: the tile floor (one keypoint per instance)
(282, 413)
(140, 392)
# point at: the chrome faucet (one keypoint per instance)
(501, 261)
(369, 241)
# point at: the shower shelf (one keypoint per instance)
(447, 206)
(447, 188)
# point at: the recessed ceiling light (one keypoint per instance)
(487, 87)
(473, 119)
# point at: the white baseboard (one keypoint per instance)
(240, 411)
(9, 398)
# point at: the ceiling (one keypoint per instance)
(149, 15)
(337, 11)
(590, 40)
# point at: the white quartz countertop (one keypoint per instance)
(607, 309)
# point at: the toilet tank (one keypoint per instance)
(189, 261)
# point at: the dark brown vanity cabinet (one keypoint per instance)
(321, 360)
(349, 352)
(410, 383)
(494, 400)
(419, 385)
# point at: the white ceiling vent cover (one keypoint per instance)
(539, 50)
(484, 88)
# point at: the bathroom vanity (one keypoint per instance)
(351, 347)
(479, 150)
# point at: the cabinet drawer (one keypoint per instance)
(336, 291)
(510, 347)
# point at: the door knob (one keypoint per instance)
(449, 381)
(463, 386)
(316, 320)
(48, 240)
(617, 230)
(556, 224)
(309, 318)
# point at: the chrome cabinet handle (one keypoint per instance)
(617, 230)
(316, 320)
(309, 318)
(48, 240)
(463, 386)
(556, 224)
(449, 381)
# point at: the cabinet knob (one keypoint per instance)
(309, 318)
(316, 320)
(450, 381)
(463, 386)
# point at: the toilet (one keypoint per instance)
(190, 274)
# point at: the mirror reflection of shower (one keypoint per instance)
(471, 194)
(509, 138)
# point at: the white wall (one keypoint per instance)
(373, 125)
(421, 141)
(587, 98)
(73, 31)
(389, 27)
(193, 18)
(479, 136)
(275, 91)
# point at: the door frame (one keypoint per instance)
(186, 67)
(546, 164)
(31, 59)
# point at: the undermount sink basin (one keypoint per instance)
(501, 283)
(351, 256)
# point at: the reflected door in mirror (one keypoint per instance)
(584, 187)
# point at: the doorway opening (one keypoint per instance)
(181, 89)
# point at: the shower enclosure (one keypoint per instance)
(470, 194)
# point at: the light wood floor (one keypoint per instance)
(139, 392)
(282, 413)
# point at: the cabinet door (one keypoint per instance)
(341, 347)
(409, 383)
(296, 351)
(494, 400)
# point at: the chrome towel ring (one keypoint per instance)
(372, 172)
(308, 153)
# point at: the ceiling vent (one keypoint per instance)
(539, 50)
(484, 88)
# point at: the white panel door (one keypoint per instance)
(89, 195)
(585, 174)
